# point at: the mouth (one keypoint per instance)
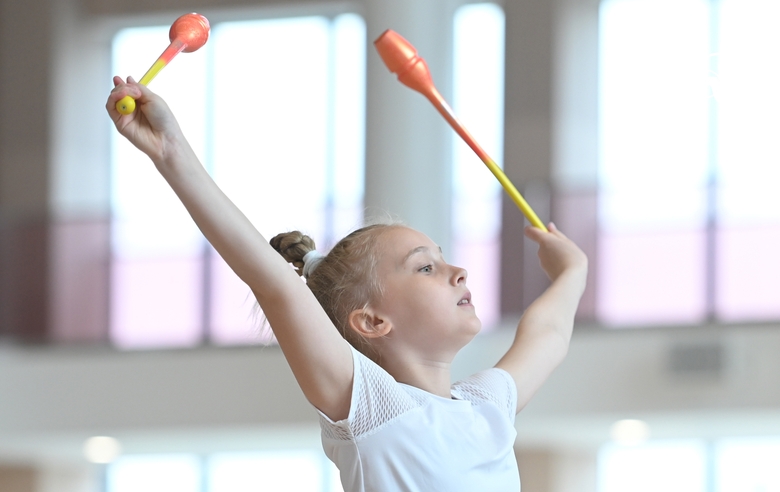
(466, 300)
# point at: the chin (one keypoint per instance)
(476, 328)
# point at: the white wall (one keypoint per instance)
(49, 392)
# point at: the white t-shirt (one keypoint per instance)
(401, 438)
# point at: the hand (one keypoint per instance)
(557, 253)
(151, 127)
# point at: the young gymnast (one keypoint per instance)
(371, 335)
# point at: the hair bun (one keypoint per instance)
(293, 246)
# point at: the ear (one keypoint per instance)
(367, 324)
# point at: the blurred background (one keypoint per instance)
(131, 358)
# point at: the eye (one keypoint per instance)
(426, 269)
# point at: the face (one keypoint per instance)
(424, 298)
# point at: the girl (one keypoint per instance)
(371, 335)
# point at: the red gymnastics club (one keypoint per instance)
(188, 33)
(402, 59)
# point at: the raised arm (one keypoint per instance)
(544, 331)
(319, 357)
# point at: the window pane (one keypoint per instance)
(348, 105)
(653, 278)
(270, 141)
(671, 466)
(270, 145)
(287, 147)
(747, 464)
(748, 104)
(156, 302)
(749, 161)
(478, 100)
(156, 275)
(291, 471)
(155, 473)
(654, 98)
(748, 269)
(654, 104)
(294, 158)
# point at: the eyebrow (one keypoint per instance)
(418, 249)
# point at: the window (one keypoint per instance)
(672, 466)
(289, 470)
(688, 222)
(154, 473)
(691, 465)
(478, 100)
(294, 471)
(748, 205)
(747, 464)
(168, 287)
(280, 130)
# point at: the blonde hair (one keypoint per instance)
(345, 280)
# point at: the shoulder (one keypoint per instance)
(377, 398)
(494, 385)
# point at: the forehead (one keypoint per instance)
(398, 242)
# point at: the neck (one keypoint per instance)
(428, 374)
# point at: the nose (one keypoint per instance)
(459, 275)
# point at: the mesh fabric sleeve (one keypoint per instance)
(377, 399)
(494, 385)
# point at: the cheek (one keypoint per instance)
(409, 305)
(425, 306)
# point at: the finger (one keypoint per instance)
(555, 231)
(119, 83)
(144, 91)
(123, 90)
(117, 93)
(534, 233)
(120, 90)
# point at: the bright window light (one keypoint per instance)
(291, 471)
(749, 160)
(283, 136)
(157, 265)
(294, 470)
(270, 117)
(747, 464)
(654, 112)
(347, 104)
(654, 121)
(748, 103)
(689, 218)
(270, 141)
(478, 100)
(671, 466)
(155, 473)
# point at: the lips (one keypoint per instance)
(466, 300)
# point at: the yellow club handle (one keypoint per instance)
(126, 105)
(445, 110)
(514, 194)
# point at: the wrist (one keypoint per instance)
(174, 152)
(575, 275)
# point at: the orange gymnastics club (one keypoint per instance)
(402, 59)
(188, 33)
